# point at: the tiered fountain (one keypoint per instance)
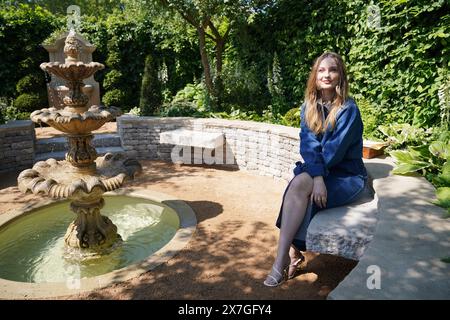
(82, 177)
(38, 256)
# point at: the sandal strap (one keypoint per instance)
(294, 264)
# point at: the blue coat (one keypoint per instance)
(337, 156)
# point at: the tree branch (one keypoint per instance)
(186, 16)
(213, 29)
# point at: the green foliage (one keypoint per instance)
(97, 7)
(27, 102)
(114, 97)
(3, 106)
(275, 85)
(31, 83)
(9, 113)
(192, 100)
(443, 199)
(180, 109)
(398, 69)
(409, 161)
(431, 158)
(402, 135)
(237, 114)
(397, 65)
(244, 87)
(151, 97)
(292, 118)
(370, 119)
(112, 79)
(195, 93)
(135, 111)
(22, 29)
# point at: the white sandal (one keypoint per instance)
(271, 281)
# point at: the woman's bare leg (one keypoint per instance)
(294, 208)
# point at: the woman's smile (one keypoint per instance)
(327, 75)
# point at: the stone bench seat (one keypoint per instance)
(344, 231)
(192, 138)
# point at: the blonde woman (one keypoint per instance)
(332, 172)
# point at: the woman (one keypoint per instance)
(332, 174)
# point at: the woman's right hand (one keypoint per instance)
(319, 192)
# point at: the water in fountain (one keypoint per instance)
(145, 226)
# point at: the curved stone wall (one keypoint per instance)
(268, 149)
(17, 140)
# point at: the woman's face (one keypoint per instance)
(327, 75)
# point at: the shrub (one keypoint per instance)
(30, 83)
(179, 109)
(114, 97)
(2, 116)
(195, 93)
(28, 102)
(151, 98)
(22, 29)
(292, 118)
(113, 59)
(370, 119)
(112, 79)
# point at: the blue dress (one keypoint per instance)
(337, 156)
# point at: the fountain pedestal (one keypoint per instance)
(90, 229)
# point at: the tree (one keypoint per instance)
(150, 99)
(213, 20)
(89, 7)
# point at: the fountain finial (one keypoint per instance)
(72, 47)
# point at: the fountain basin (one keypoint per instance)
(76, 278)
(72, 70)
(67, 121)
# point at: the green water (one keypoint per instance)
(32, 248)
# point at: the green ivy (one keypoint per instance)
(22, 29)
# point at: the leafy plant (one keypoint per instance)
(432, 160)
(180, 109)
(443, 199)
(27, 102)
(400, 135)
(115, 97)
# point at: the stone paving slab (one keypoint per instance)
(404, 259)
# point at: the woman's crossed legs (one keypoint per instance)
(295, 203)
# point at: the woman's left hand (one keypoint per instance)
(319, 192)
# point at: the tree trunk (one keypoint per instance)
(205, 61)
(218, 85)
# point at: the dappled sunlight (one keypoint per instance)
(233, 247)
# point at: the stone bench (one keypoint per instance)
(344, 231)
(191, 138)
(204, 144)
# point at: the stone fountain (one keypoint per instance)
(82, 177)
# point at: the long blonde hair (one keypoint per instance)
(313, 116)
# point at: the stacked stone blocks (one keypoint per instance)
(17, 145)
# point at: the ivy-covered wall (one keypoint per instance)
(397, 57)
